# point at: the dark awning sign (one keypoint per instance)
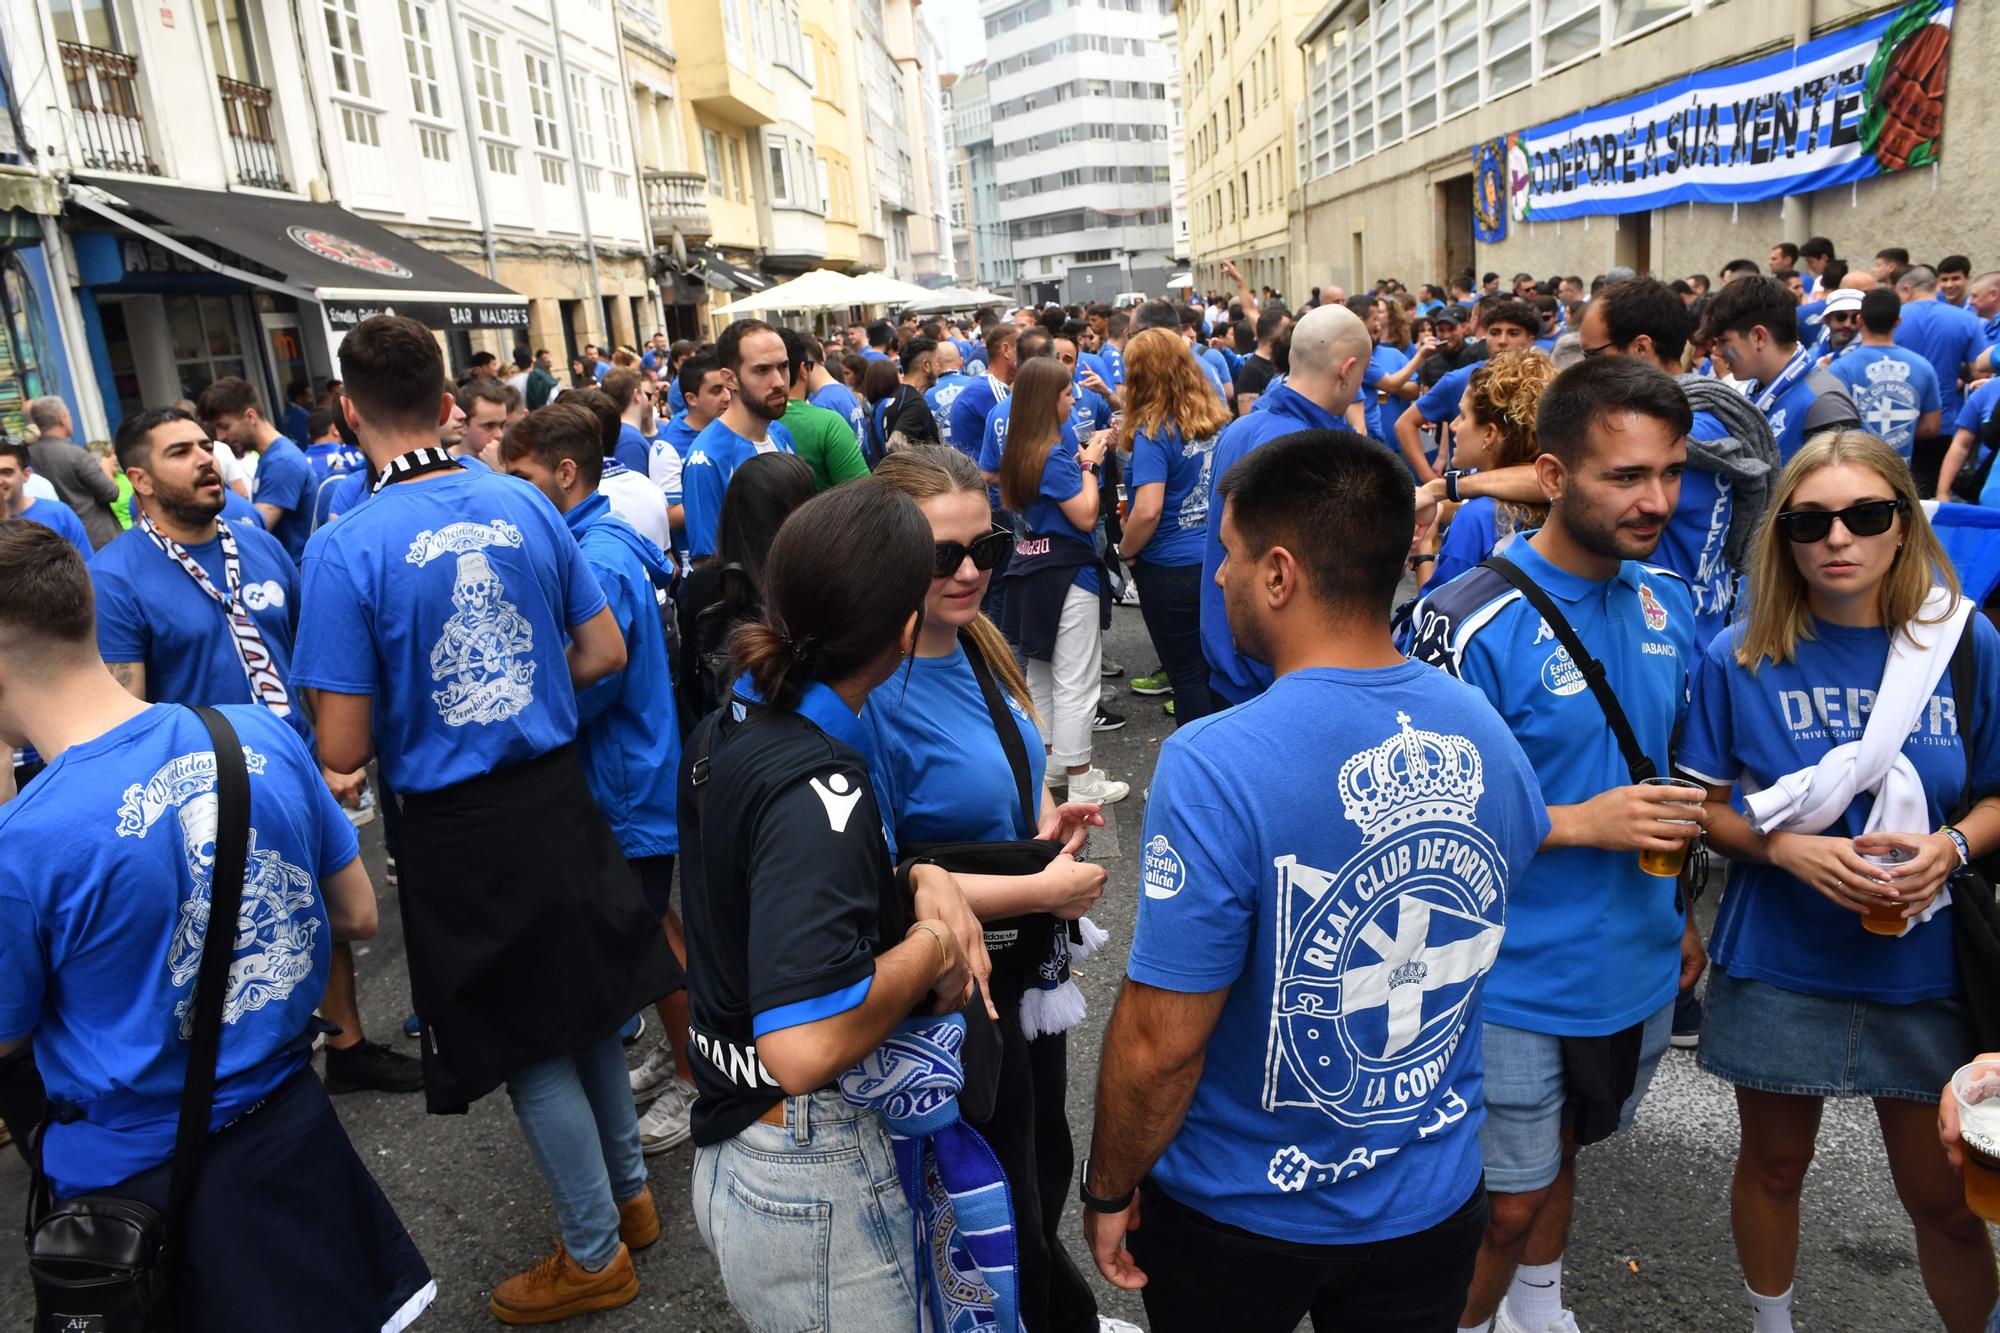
(353, 267)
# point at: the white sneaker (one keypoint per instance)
(1106, 1324)
(665, 1125)
(1504, 1323)
(652, 1073)
(1054, 774)
(1098, 787)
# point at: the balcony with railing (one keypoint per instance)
(246, 109)
(104, 102)
(677, 200)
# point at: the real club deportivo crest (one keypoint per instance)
(1378, 960)
(1656, 615)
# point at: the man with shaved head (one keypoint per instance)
(1330, 350)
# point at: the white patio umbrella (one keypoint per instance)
(1180, 282)
(881, 289)
(815, 289)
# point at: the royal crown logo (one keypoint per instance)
(1888, 371)
(1412, 777)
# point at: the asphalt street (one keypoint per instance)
(1650, 1250)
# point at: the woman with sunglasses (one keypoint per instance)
(1170, 425)
(1830, 932)
(1058, 600)
(941, 774)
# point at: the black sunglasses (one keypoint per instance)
(985, 553)
(1870, 518)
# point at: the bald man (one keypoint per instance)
(1330, 350)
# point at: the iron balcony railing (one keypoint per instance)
(104, 100)
(247, 109)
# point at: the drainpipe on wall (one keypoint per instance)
(475, 151)
(576, 175)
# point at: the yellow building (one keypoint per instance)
(1241, 83)
(838, 138)
(725, 94)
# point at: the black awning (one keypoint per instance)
(353, 267)
(712, 269)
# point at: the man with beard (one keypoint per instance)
(195, 609)
(1580, 1000)
(753, 357)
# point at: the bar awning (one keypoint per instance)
(352, 267)
(715, 271)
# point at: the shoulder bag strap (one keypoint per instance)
(1637, 761)
(1965, 696)
(1010, 734)
(218, 951)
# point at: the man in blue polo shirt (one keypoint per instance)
(1293, 1127)
(1580, 1002)
(446, 626)
(284, 486)
(951, 381)
(975, 403)
(826, 389)
(753, 359)
(1753, 323)
(626, 388)
(1945, 335)
(627, 732)
(15, 502)
(168, 598)
(1329, 353)
(1894, 389)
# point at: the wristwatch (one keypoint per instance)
(1451, 477)
(1097, 1203)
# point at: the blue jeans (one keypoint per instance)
(576, 1113)
(808, 1223)
(1170, 600)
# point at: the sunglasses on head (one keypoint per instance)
(985, 553)
(1870, 518)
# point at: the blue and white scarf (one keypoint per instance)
(963, 1236)
(1795, 370)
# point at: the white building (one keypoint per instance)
(1081, 123)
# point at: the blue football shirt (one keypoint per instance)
(1384, 360)
(937, 767)
(149, 611)
(1695, 543)
(103, 941)
(940, 397)
(1588, 916)
(632, 448)
(1753, 729)
(1186, 469)
(1945, 336)
(1891, 387)
(705, 472)
(969, 412)
(285, 479)
(449, 599)
(1339, 854)
(62, 520)
(1063, 478)
(837, 397)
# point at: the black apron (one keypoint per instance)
(528, 935)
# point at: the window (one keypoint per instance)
(581, 122)
(500, 158)
(1571, 29)
(489, 88)
(760, 31)
(1509, 54)
(420, 56)
(87, 23)
(711, 150)
(542, 103)
(229, 39)
(343, 42)
(736, 170)
(434, 143)
(593, 179)
(1636, 14)
(554, 170)
(781, 190)
(1092, 257)
(360, 127)
(614, 126)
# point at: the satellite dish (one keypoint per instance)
(680, 248)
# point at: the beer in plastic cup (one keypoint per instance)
(1883, 917)
(1977, 1088)
(1667, 865)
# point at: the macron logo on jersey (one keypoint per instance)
(839, 795)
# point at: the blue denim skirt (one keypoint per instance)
(1770, 1039)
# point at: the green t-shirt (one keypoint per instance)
(826, 442)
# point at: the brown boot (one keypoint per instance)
(638, 1223)
(559, 1287)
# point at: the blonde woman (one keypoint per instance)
(1495, 428)
(1170, 425)
(1854, 614)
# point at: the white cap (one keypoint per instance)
(1845, 298)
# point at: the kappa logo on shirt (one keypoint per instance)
(839, 795)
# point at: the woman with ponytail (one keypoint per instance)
(945, 773)
(810, 952)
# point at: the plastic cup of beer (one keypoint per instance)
(1883, 916)
(1977, 1088)
(1667, 865)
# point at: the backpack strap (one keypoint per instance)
(1637, 761)
(1965, 696)
(1010, 735)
